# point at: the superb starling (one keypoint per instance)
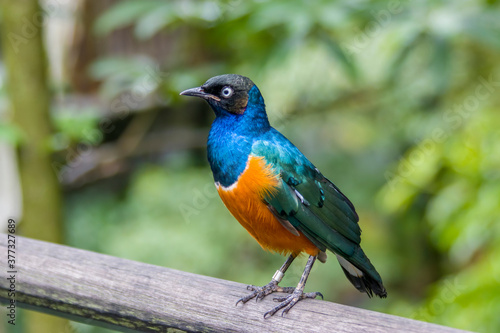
(276, 194)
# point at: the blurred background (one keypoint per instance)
(396, 102)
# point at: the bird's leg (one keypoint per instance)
(289, 301)
(271, 287)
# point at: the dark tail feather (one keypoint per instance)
(361, 280)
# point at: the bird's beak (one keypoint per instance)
(199, 92)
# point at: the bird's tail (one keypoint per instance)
(366, 280)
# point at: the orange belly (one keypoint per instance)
(244, 200)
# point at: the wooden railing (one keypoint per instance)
(130, 296)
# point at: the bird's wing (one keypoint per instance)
(306, 198)
(308, 202)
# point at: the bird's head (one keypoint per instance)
(229, 92)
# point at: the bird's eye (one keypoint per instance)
(227, 92)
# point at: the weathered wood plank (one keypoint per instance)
(127, 295)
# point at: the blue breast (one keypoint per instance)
(231, 138)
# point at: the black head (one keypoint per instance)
(228, 91)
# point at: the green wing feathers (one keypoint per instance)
(308, 202)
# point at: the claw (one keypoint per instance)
(318, 294)
(261, 292)
(289, 301)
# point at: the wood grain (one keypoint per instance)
(130, 296)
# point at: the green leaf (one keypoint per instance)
(348, 64)
(148, 25)
(408, 45)
(440, 63)
(125, 13)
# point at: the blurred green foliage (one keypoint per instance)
(396, 102)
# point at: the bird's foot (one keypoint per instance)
(289, 301)
(261, 292)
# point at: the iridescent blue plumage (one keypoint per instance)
(232, 136)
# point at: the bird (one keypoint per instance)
(277, 194)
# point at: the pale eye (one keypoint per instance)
(227, 92)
